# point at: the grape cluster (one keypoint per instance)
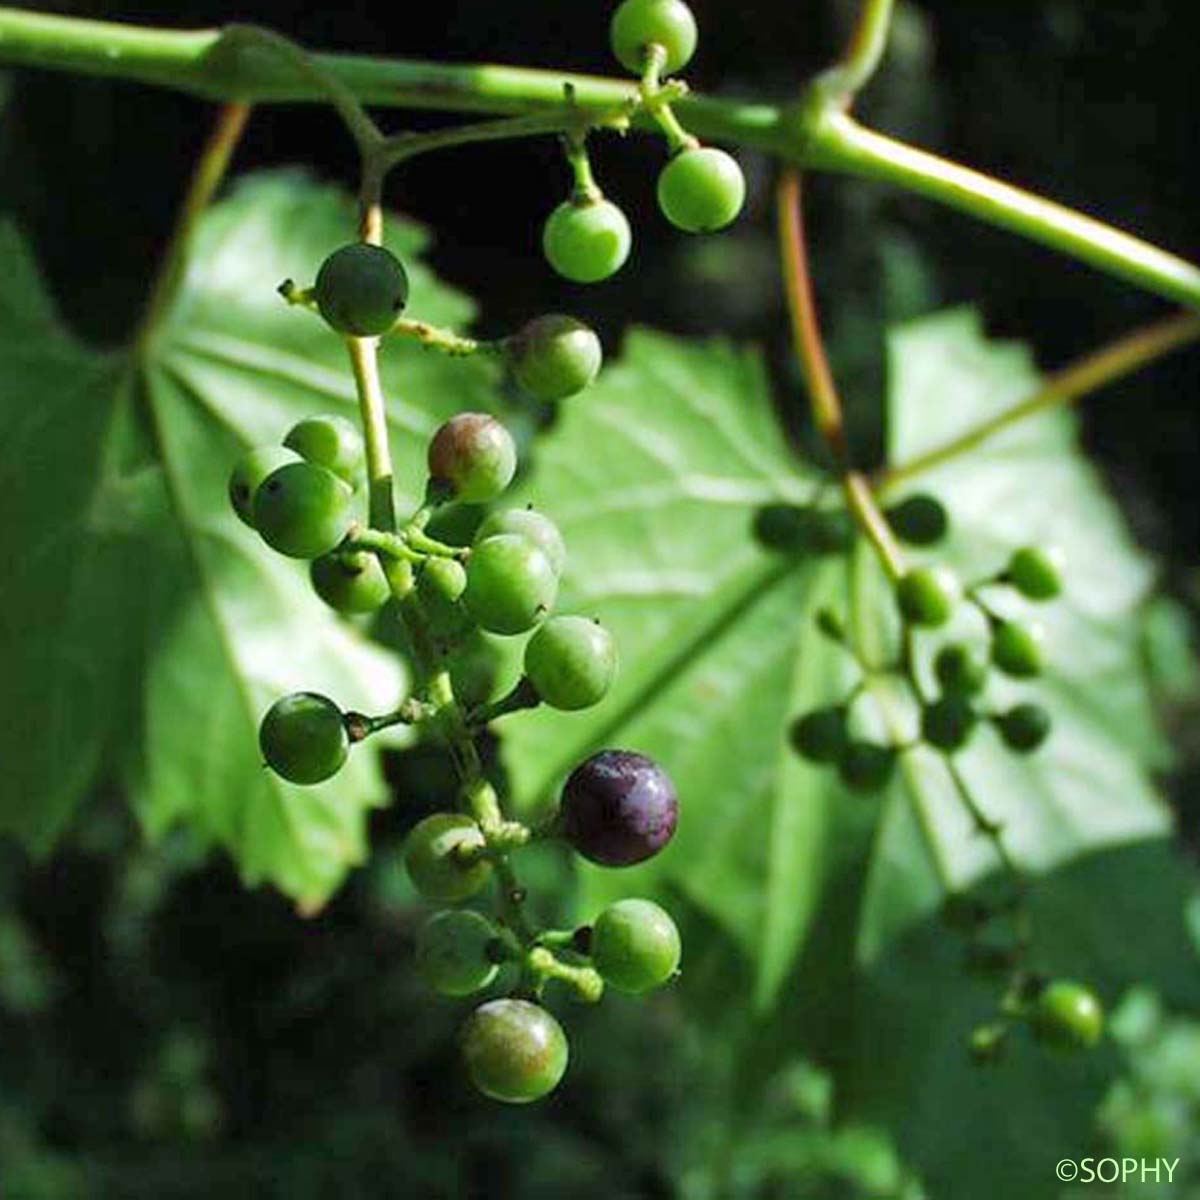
(949, 701)
(701, 189)
(926, 598)
(305, 498)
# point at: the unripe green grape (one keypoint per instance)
(1068, 1016)
(571, 662)
(454, 952)
(440, 584)
(1017, 648)
(948, 723)
(920, 520)
(511, 585)
(514, 1050)
(361, 289)
(866, 766)
(1036, 572)
(587, 240)
(248, 474)
(331, 442)
(303, 738)
(927, 596)
(1024, 728)
(701, 190)
(474, 669)
(635, 946)
(441, 857)
(302, 510)
(472, 457)
(554, 357)
(638, 24)
(530, 524)
(986, 1043)
(960, 670)
(350, 583)
(821, 736)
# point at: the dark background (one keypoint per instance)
(162, 1032)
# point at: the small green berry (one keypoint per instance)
(511, 584)
(571, 662)
(1024, 728)
(302, 510)
(920, 520)
(361, 289)
(331, 442)
(554, 357)
(350, 583)
(442, 858)
(587, 240)
(1067, 1016)
(303, 738)
(960, 670)
(804, 529)
(635, 946)
(866, 766)
(821, 735)
(530, 524)
(987, 1042)
(454, 952)
(927, 596)
(1036, 572)
(440, 583)
(472, 457)
(638, 24)
(701, 190)
(1017, 648)
(948, 723)
(248, 474)
(514, 1050)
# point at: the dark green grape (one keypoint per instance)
(821, 735)
(571, 662)
(331, 442)
(960, 670)
(248, 474)
(350, 582)
(1024, 728)
(361, 289)
(530, 524)
(866, 766)
(303, 738)
(948, 723)
(587, 240)
(638, 24)
(554, 357)
(441, 855)
(511, 585)
(514, 1050)
(454, 952)
(701, 190)
(472, 457)
(920, 520)
(303, 510)
(635, 946)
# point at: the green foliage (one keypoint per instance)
(142, 611)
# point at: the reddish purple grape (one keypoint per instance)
(619, 808)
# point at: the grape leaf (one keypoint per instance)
(720, 651)
(145, 630)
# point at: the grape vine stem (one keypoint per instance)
(814, 132)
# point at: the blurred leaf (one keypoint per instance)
(142, 625)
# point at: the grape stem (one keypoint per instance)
(1097, 370)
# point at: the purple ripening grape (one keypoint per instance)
(619, 808)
